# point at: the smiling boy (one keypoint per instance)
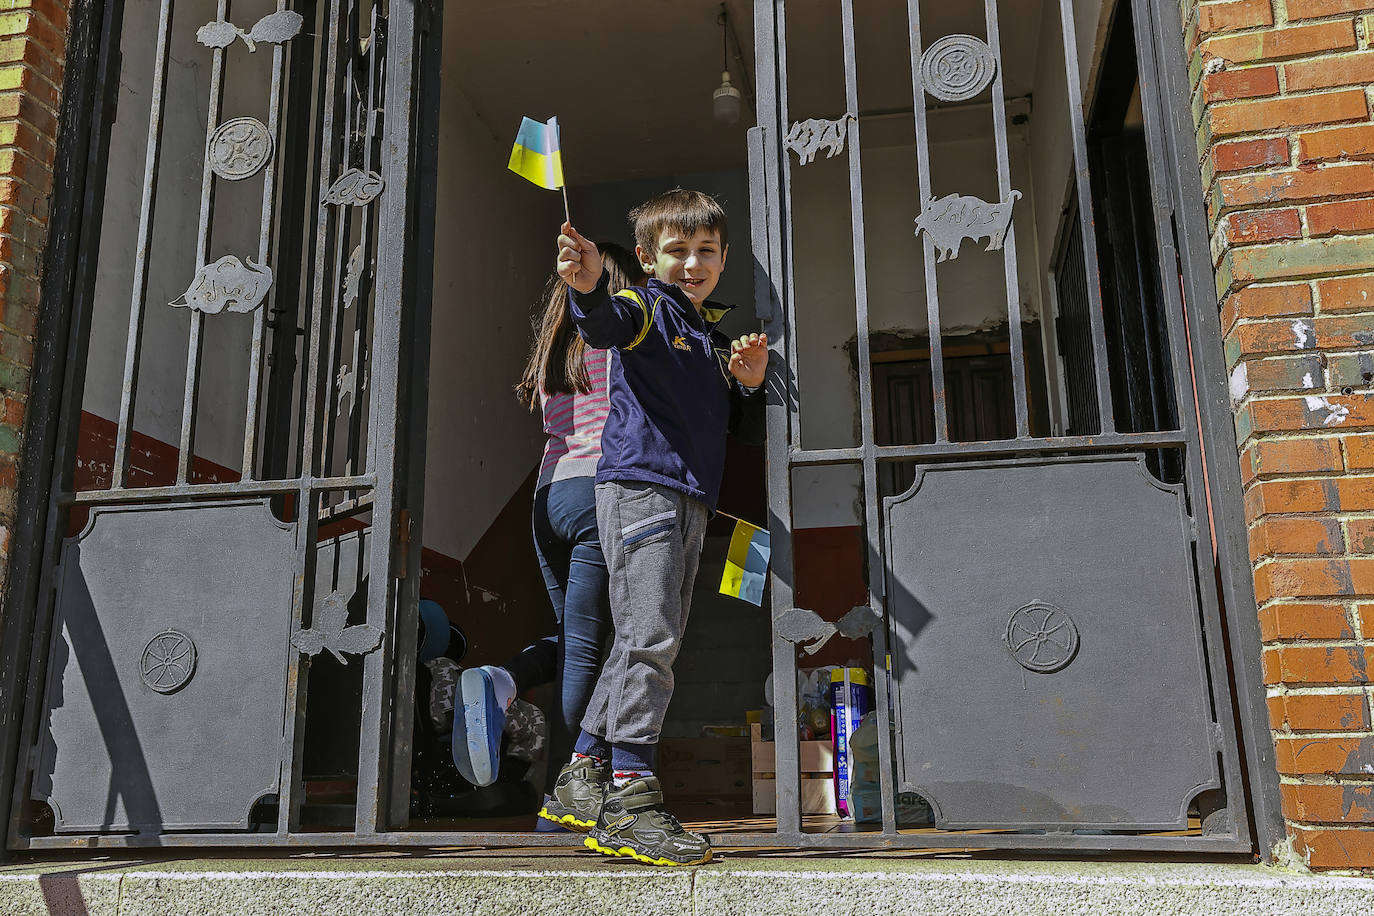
(677, 386)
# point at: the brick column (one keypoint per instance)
(1281, 98)
(32, 51)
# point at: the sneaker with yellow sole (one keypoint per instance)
(577, 795)
(634, 824)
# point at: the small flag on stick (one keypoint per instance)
(746, 563)
(538, 158)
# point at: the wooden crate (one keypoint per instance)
(710, 772)
(817, 759)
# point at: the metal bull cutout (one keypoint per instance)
(951, 219)
(807, 138)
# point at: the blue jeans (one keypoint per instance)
(574, 568)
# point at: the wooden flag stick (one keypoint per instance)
(566, 213)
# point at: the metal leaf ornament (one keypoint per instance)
(354, 187)
(330, 630)
(227, 285)
(807, 629)
(274, 28)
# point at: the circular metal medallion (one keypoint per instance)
(1041, 637)
(169, 661)
(957, 67)
(240, 148)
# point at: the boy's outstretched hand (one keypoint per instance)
(579, 263)
(749, 359)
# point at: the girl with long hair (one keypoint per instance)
(566, 380)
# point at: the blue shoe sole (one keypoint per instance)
(477, 730)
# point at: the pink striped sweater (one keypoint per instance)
(573, 423)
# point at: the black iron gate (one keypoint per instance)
(181, 610)
(1052, 663)
(1046, 613)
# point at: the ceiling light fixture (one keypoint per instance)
(725, 101)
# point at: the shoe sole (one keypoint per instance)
(476, 745)
(626, 852)
(569, 821)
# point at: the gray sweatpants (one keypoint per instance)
(651, 536)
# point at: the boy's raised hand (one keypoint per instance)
(579, 263)
(749, 359)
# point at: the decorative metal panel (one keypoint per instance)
(168, 670)
(1046, 646)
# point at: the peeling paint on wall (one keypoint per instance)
(1302, 334)
(1240, 383)
(1335, 413)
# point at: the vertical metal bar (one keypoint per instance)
(145, 230)
(1012, 277)
(368, 240)
(269, 200)
(1085, 215)
(1164, 97)
(394, 280)
(294, 732)
(416, 381)
(771, 267)
(918, 95)
(207, 215)
(342, 232)
(89, 98)
(782, 236)
(876, 565)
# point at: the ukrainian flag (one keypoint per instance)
(536, 156)
(746, 563)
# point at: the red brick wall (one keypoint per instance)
(1282, 105)
(32, 49)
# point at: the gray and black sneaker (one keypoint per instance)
(633, 824)
(578, 794)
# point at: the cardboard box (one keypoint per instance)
(817, 760)
(705, 771)
(817, 795)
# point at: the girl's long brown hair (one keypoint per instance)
(556, 364)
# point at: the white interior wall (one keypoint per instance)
(494, 250)
(172, 252)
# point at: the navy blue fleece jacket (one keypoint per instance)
(673, 399)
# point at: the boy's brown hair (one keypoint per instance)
(685, 211)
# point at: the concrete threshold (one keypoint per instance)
(502, 884)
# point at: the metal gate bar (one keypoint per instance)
(207, 215)
(145, 230)
(1011, 277)
(937, 359)
(1069, 36)
(1189, 230)
(269, 202)
(870, 466)
(952, 841)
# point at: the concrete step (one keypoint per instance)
(557, 884)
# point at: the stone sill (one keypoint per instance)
(738, 884)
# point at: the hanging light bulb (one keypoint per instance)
(725, 101)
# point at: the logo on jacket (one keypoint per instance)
(680, 343)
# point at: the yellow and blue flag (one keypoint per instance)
(746, 563)
(536, 156)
